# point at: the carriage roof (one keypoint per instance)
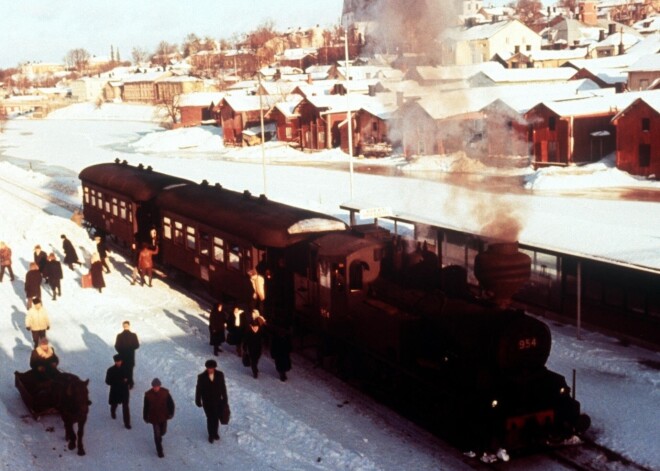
(263, 222)
(138, 183)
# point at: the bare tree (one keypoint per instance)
(3, 120)
(529, 11)
(170, 108)
(77, 59)
(570, 5)
(164, 52)
(140, 55)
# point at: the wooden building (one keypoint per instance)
(239, 113)
(141, 87)
(638, 128)
(575, 131)
(198, 108)
(287, 121)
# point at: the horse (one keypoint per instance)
(71, 400)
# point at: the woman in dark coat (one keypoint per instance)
(44, 361)
(217, 323)
(96, 270)
(70, 255)
(32, 284)
(252, 341)
(117, 378)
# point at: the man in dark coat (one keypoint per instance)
(280, 348)
(102, 249)
(217, 323)
(252, 342)
(211, 393)
(158, 409)
(70, 255)
(32, 284)
(117, 379)
(40, 258)
(53, 273)
(125, 344)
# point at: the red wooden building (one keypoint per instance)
(506, 130)
(198, 108)
(638, 131)
(239, 113)
(287, 121)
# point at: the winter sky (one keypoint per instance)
(43, 31)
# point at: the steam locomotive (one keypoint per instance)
(393, 321)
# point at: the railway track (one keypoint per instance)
(587, 456)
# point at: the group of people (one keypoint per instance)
(247, 331)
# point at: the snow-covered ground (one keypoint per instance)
(312, 421)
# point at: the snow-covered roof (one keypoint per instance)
(242, 103)
(287, 107)
(595, 105)
(201, 99)
(149, 76)
(557, 54)
(180, 79)
(478, 32)
(297, 53)
(651, 98)
(550, 74)
(650, 63)
(455, 72)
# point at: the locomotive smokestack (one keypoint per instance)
(502, 270)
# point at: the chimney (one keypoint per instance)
(611, 29)
(309, 79)
(399, 99)
(516, 49)
(495, 19)
(372, 90)
(601, 35)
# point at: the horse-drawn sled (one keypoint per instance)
(65, 394)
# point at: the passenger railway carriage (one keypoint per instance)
(119, 199)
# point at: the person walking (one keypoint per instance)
(53, 272)
(235, 325)
(211, 394)
(5, 261)
(158, 409)
(126, 343)
(40, 258)
(253, 339)
(32, 284)
(70, 254)
(280, 347)
(37, 321)
(96, 270)
(102, 250)
(146, 262)
(117, 378)
(217, 323)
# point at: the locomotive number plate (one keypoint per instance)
(527, 343)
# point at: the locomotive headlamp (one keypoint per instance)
(494, 403)
(563, 391)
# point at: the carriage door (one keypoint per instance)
(338, 289)
(204, 254)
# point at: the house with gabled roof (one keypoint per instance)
(198, 108)
(576, 131)
(241, 112)
(433, 75)
(141, 87)
(479, 43)
(287, 120)
(638, 128)
(521, 76)
(645, 73)
(168, 88)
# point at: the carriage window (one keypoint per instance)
(86, 189)
(235, 256)
(190, 238)
(167, 228)
(178, 233)
(204, 243)
(107, 206)
(99, 201)
(130, 213)
(218, 249)
(115, 207)
(122, 209)
(93, 198)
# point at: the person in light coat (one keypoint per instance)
(37, 321)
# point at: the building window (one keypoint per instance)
(644, 155)
(167, 228)
(219, 249)
(646, 124)
(235, 257)
(289, 132)
(178, 233)
(190, 238)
